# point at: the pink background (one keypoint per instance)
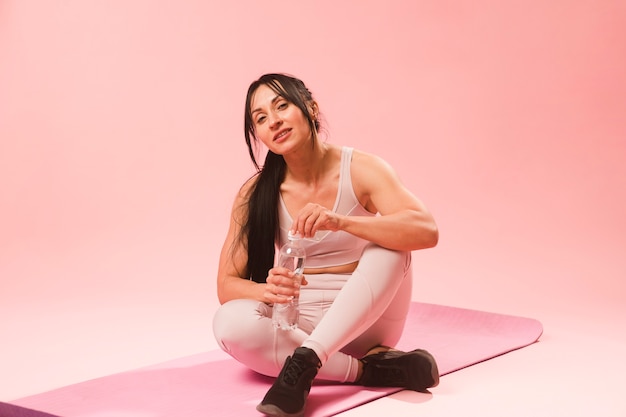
(121, 149)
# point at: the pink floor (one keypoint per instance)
(576, 369)
(187, 387)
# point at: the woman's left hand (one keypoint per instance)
(314, 217)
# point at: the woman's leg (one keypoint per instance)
(387, 329)
(243, 329)
(355, 317)
(371, 307)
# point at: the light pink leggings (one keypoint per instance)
(342, 316)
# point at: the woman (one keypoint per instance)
(359, 225)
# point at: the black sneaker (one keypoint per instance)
(288, 394)
(415, 370)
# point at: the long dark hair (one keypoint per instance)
(260, 225)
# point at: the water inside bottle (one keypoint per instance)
(285, 316)
(294, 263)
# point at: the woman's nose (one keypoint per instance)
(275, 120)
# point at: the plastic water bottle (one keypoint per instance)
(292, 255)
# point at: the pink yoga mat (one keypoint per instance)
(213, 384)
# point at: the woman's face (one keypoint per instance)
(278, 123)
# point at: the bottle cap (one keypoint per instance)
(291, 236)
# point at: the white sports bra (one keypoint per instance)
(331, 248)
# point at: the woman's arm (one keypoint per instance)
(404, 222)
(231, 280)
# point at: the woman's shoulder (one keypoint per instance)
(368, 161)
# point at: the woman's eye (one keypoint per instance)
(282, 105)
(260, 119)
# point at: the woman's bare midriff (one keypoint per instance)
(338, 269)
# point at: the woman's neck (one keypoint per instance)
(310, 165)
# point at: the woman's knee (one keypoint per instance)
(380, 254)
(235, 320)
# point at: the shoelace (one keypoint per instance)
(294, 370)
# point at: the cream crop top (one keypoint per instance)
(331, 248)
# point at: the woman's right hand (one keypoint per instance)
(282, 285)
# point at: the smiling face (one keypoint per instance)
(276, 99)
(278, 123)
